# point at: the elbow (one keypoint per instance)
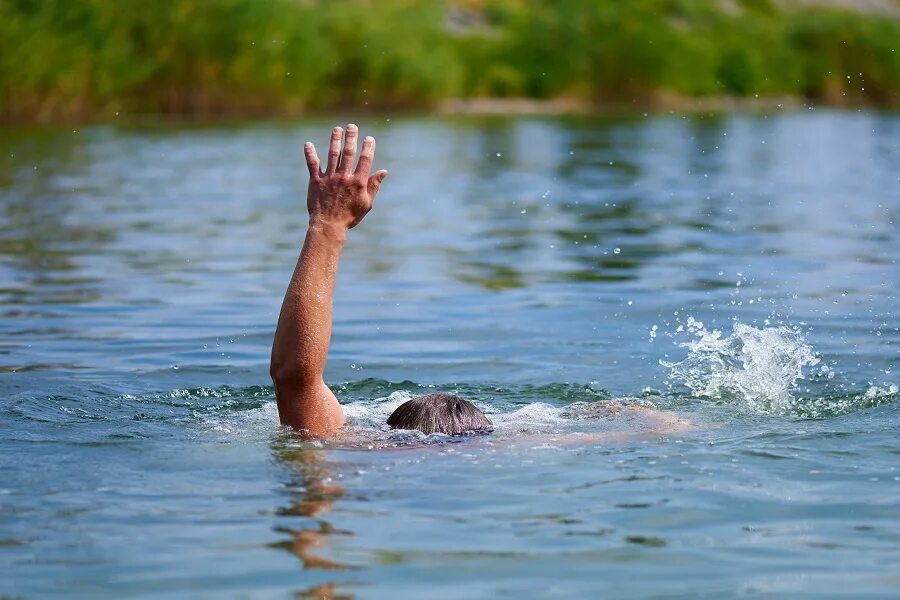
(304, 402)
(283, 375)
(289, 375)
(276, 371)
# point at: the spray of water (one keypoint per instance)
(758, 367)
(240, 413)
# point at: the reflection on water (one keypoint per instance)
(312, 494)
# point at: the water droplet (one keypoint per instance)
(758, 366)
(616, 250)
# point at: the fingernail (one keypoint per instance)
(369, 139)
(307, 145)
(337, 130)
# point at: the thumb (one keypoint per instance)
(375, 181)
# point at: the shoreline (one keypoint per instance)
(660, 103)
(475, 107)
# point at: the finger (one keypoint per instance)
(334, 150)
(375, 181)
(346, 165)
(366, 157)
(312, 160)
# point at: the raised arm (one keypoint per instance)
(337, 200)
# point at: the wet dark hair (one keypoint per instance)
(440, 413)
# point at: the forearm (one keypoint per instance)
(303, 335)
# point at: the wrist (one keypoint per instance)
(332, 231)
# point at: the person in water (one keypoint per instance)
(338, 198)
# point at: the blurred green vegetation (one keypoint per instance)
(91, 59)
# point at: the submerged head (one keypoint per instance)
(439, 413)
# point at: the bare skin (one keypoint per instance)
(337, 200)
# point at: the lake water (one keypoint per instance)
(740, 269)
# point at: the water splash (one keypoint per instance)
(758, 367)
(251, 412)
(366, 419)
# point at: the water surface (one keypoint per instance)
(738, 269)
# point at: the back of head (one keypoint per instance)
(439, 413)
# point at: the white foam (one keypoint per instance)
(877, 393)
(366, 421)
(537, 416)
(255, 423)
(758, 367)
(373, 413)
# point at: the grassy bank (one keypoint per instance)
(93, 59)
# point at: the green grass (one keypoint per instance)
(91, 59)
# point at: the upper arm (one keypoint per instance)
(309, 407)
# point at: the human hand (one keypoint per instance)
(341, 196)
